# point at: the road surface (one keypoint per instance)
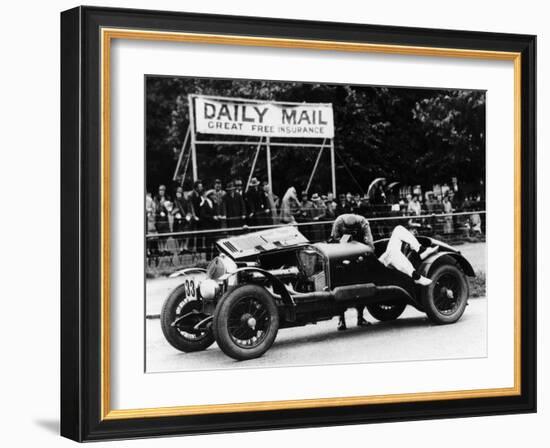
(411, 337)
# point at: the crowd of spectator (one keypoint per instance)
(236, 206)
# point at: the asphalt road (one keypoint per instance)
(411, 337)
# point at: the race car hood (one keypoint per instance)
(250, 244)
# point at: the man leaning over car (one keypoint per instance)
(359, 229)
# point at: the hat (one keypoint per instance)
(315, 197)
(217, 181)
(230, 186)
(254, 182)
(238, 182)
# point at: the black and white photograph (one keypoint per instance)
(274, 223)
(301, 223)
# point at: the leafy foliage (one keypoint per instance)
(412, 135)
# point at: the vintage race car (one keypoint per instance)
(276, 278)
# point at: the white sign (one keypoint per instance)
(269, 119)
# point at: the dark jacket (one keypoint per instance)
(256, 207)
(235, 209)
(343, 208)
(195, 199)
(206, 214)
(184, 214)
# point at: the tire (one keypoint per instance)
(386, 311)
(246, 322)
(442, 306)
(177, 304)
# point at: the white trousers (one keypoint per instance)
(393, 256)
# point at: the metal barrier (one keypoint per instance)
(175, 250)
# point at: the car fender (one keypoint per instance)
(278, 286)
(187, 271)
(439, 257)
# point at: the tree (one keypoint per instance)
(415, 136)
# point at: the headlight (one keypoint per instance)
(219, 266)
(209, 289)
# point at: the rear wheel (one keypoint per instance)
(446, 298)
(180, 314)
(246, 322)
(386, 311)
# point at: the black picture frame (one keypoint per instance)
(81, 223)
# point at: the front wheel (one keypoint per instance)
(386, 311)
(178, 317)
(446, 298)
(246, 322)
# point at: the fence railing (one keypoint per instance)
(175, 250)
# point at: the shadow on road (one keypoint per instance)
(353, 332)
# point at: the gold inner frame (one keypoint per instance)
(107, 35)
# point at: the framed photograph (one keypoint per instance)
(277, 224)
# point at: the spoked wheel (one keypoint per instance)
(179, 316)
(386, 311)
(246, 322)
(446, 298)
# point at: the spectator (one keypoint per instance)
(318, 212)
(234, 207)
(195, 197)
(363, 208)
(319, 206)
(275, 210)
(438, 206)
(206, 210)
(271, 210)
(289, 206)
(356, 203)
(206, 221)
(150, 213)
(414, 208)
(184, 218)
(448, 221)
(163, 224)
(475, 224)
(330, 200)
(330, 211)
(152, 243)
(344, 206)
(431, 204)
(218, 200)
(161, 197)
(239, 186)
(379, 196)
(306, 209)
(306, 215)
(349, 200)
(256, 206)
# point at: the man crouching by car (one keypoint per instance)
(358, 228)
